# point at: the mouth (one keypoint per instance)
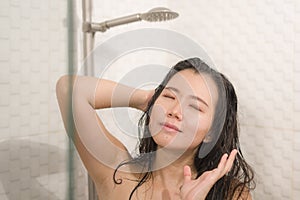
(170, 127)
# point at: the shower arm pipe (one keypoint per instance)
(102, 27)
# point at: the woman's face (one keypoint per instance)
(183, 113)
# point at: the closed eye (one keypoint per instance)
(196, 108)
(168, 96)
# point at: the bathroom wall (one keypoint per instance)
(33, 143)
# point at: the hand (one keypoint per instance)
(199, 188)
(140, 99)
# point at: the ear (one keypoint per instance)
(208, 138)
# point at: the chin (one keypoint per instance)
(165, 141)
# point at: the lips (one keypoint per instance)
(170, 127)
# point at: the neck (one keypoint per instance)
(168, 166)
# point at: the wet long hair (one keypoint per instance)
(224, 136)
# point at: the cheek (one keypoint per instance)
(197, 126)
(156, 117)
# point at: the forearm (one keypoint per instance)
(111, 94)
(101, 93)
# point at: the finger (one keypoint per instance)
(219, 171)
(187, 173)
(222, 162)
(230, 160)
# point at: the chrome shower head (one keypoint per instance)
(159, 14)
(153, 15)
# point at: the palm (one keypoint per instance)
(199, 188)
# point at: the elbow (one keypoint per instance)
(63, 86)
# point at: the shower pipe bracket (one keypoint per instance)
(94, 27)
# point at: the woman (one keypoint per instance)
(188, 148)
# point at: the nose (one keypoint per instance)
(174, 111)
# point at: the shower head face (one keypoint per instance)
(159, 14)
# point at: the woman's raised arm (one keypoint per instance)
(96, 146)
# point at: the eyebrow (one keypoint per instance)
(192, 96)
